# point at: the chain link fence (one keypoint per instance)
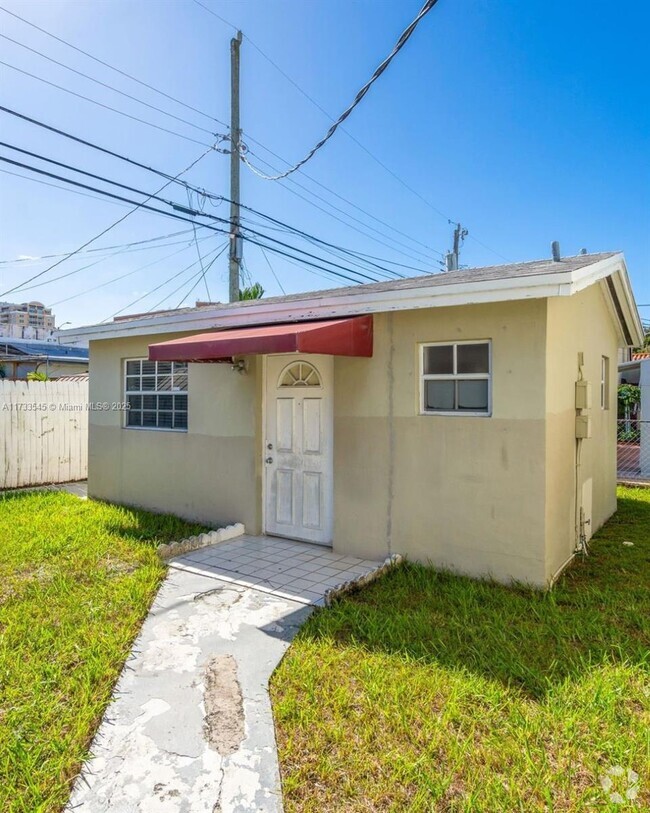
(633, 449)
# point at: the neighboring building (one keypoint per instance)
(27, 320)
(21, 356)
(634, 422)
(466, 419)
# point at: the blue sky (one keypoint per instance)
(528, 122)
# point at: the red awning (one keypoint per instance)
(335, 337)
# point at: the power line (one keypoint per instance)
(94, 288)
(97, 262)
(126, 246)
(79, 171)
(113, 68)
(350, 135)
(95, 146)
(401, 42)
(401, 245)
(220, 198)
(332, 249)
(348, 202)
(327, 114)
(157, 288)
(307, 262)
(59, 186)
(105, 106)
(171, 203)
(104, 231)
(353, 280)
(106, 85)
(201, 277)
(178, 207)
(198, 250)
(275, 276)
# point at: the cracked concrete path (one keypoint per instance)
(190, 728)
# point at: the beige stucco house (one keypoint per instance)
(466, 419)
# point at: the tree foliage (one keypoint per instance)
(253, 291)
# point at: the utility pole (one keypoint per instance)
(453, 256)
(235, 165)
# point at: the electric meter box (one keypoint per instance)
(583, 426)
(583, 395)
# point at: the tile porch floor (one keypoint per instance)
(299, 571)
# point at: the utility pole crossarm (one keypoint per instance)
(235, 164)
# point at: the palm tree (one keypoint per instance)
(253, 291)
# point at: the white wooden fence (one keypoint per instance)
(43, 432)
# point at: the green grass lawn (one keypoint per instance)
(76, 580)
(432, 692)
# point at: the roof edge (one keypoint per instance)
(359, 301)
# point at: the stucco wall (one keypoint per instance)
(458, 491)
(580, 323)
(209, 473)
(482, 495)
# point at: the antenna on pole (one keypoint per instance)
(235, 253)
(452, 257)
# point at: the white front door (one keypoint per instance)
(298, 447)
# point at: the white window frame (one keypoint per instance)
(455, 377)
(172, 391)
(604, 382)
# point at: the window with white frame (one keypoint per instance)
(604, 382)
(156, 394)
(456, 378)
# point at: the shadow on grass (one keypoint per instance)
(598, 613)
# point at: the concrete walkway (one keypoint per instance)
(190, 729)
(79, 488)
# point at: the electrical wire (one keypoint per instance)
(80, 171)
(144, 206)
(157, 288)
(126, 246)
(352, 280)
(402, 246)
(96, 147)
(220, 198)
(64, 188)
(113, 68)
(336, 252)
(85, 267)
(106, 85)
(401, 42)
(307, 262)
(325, 112)
(275, 276)
(105, 106)
(196, 243)
(106, 230)
(94, 288)
(174, 205)
(201, 277)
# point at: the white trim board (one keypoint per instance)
(365, 299)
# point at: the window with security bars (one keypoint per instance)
(156, 394)
(455, 378)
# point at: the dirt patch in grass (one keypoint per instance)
(76, 580)
(224, 710)
(433, 692)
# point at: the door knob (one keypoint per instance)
(269, 460)
(269, 445)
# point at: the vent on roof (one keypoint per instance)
(555, 251)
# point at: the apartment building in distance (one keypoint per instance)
(26, 320)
